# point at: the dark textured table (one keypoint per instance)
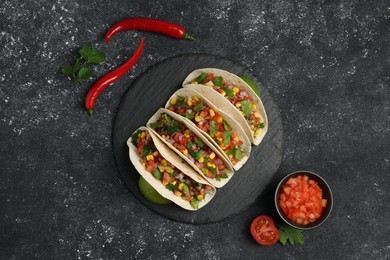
(326, 64)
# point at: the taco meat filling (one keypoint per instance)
(238, 96)
(171, 177)
(211, 122)
(192, 147)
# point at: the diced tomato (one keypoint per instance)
(301, 200)
(150, 168)
(140, 148)
(209, 77)
(171, 108)
(204, 112)
(167, 177)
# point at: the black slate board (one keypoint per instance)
(150, 92)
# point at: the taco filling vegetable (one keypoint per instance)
(211, 122)
(191, 146)
(238, 96)
(171, 177)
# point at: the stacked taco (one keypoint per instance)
(172, 178)
(239, 100)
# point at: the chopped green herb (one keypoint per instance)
(201, 78)
(205, 160)
(157, 124)
(180, 102)
(218, 81)
(226, 126)
(189, 116)
(91, 55)
(250, 83)
(173, 128)
(170, 187)
(146, 150)
(198, 107)
(222, 176)
(196, 154)
(290, 234)
(189, 144)
(262, 125)
(156, 173)
(226, 137)
(213, 128)
(134, 137)
(229, 92)
(173, 174)
(198, 142)
(246, 107)
(213, 170)
(238, 154)
(194, 203)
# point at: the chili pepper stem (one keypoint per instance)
(90, 112)
(186, 36)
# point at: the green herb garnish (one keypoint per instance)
(229, 92)
(78, 71)
(201, 78)
(236, 153)
(213, 170)
(290, 234)
(218, 81)
(213, 128)
(156, 173)
(198, 107)
(196, 154)
(189, 144)
(198, 142)
(222, 176)
(170, 187)
(246, 107)
(155, 125)
(262, 125)
(189, 116)
(226, 137)
(134, 137)
(173, 128)
(146, 150)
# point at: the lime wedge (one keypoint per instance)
(250, 83)
(150, 193)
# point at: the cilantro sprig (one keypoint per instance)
(290, 234)
(77, 70)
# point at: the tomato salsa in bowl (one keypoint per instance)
(303, 200)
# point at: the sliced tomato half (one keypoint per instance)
(264, 231)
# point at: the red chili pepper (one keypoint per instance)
(150, 25)
(110, 78)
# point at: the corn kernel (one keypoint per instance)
(256, 114)
(209, 84)
(187, 135)
(195, 98)
(144, 164)
(194, 82)
(164, 162)
(211, 112)
(253, 132)
(219, 139)
(178, 193)
(181, 185)
(254, 106)
(197, 118)
(236, 90)
(201, 159)
(230, 156)
(223, 93)
(165, 182)
(212, 155)
(210, 164)
(199, 197)
(219, 120)
(202, 191)
(189, 103)
(173, 101)
(155, 153)
(173, 183)
(164, 137)
(142, 135)
(150, 157)
(238, 104)
(185, 152)
(257, 132)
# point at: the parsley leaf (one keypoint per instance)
(85, 73)
(198, 142)
(262, 125)
(290, 234)
(196, 154)
(218, 81)
(146, 150)
(198, 107)
(213, 170)
(173, 128)
(134, 137)
(155, 125)
(170, 186)
(201, 78)
(226, 126)
(213, 128)
(189, 144)
(229, 92)
(189, 116)
(238, 154)
(91, 55)
(180, 102)
(246, 107)
(67, 70)
(226, 137)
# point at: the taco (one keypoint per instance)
(169, 175)
(183, 138)
(219, 128)
(239, 100)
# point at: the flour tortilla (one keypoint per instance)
(246, 146)
(181, 119)
(224, 104)
(178, 162)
